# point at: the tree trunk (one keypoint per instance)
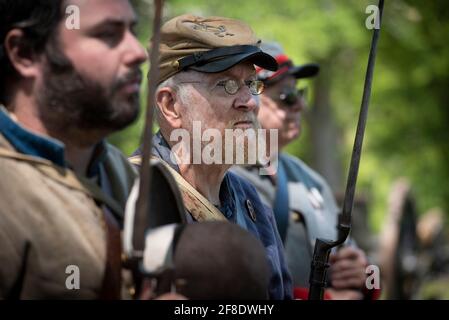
(324, 137)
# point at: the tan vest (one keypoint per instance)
(51, 228)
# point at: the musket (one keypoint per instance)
(143, 201)
(147, 207)
(155, 199)
(323, 247)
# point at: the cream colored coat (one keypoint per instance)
(49, 221)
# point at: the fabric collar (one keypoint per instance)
(26, 142)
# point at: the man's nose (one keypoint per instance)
(135, 53)
(246, 101)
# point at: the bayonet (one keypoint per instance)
(323, 247)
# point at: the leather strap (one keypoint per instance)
(112, 281)
(281, 204)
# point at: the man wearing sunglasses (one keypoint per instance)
(302, 201)
(207, 76)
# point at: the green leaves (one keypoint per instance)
(407, 132)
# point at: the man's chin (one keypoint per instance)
(291, 136)
(122, 115)
(296, 134)
(125, 119)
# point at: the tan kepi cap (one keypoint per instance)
(212, 44)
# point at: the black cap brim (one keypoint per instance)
(304, 71)
(259, 58)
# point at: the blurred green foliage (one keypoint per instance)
(407, 131)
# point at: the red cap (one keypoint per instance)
(285, 65)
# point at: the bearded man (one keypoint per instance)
(63, 188)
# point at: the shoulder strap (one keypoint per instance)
(199, 207)
(281, 203)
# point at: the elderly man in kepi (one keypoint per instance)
(208, 77)
(302, 201)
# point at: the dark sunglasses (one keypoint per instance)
(290, 97)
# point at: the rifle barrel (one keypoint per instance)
(143, 205)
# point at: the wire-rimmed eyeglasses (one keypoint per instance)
(232, 86)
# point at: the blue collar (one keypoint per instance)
(26, 142)
(29, 143)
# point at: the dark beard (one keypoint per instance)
(74, 105)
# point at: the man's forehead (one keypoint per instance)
(94, 12)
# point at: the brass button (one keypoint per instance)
(175, 64)
(132, 291)
(296, 217)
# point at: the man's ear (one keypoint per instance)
(21, 54)
(169, 105)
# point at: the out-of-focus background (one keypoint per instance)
(402, 204)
